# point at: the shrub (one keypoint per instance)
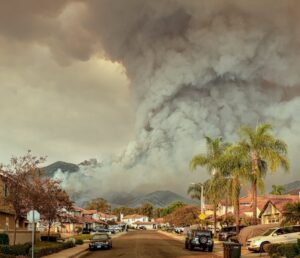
(46, 248)
(15, 250)
(272, 249)
(68, 244)
(4, 239)
(83, 237)
(279, 250)
(79, 242)
(288, 250)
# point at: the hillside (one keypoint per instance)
(60, 165)
(158, 199)
(292, 186)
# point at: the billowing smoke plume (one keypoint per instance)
(196, 68)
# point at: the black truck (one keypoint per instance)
(202, 239)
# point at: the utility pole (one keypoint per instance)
(202, 200)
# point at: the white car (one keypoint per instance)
(276, 235)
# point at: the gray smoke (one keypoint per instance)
(196, 68)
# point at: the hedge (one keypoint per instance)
(78, 241)
(46, 248)
(83, 237)
(286, 250)
(4, 239)
(15, 250)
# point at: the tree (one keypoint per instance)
(183, 216)
(157, 212)
(55, 200)
(98, 204)
(17, 178)
(234, 167)
(214, 194)
(147, 209)
(265, 152)
(291, 213)
(172, 207)
(277, 190)
(214, 151)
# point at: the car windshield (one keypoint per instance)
(268, 232)
(100, 237)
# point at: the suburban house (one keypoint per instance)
(107, 217)
(6, 210)
(131, 219)
(7, 213)
(272, 210)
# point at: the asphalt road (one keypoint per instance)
(147, 244)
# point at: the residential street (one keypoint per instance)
(148, 244)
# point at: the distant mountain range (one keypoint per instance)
(292, 188)
(158, 199)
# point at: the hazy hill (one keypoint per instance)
(292, 186)
(63, 166)
(158, 199)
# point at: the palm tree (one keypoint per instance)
(265, 152)
(194, 191)
(215, 191)
(235, 168)
(277, 190)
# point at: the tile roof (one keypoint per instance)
(134, 216)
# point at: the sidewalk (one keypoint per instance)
(71, 252)
(77, 251)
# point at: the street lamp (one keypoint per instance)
(202, 207)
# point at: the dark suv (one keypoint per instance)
(227, 232)
(199, 238)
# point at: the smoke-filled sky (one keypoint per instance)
(141, 83)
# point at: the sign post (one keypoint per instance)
(33, 216)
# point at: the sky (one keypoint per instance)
(65, 109)
(138, 84)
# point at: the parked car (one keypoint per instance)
(99, 230)
(274, 235)
(227, 232)
(202, 239)
(179, 230)
(100, 241)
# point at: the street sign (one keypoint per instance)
(202, 216)
(33, 216)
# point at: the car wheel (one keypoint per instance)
(210, 249)
(191, 247)
(186, 245)
(263, 247)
